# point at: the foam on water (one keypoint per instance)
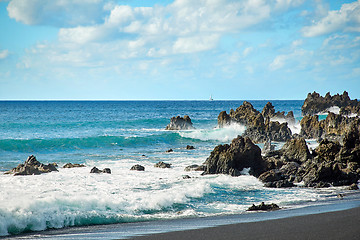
(224, 134)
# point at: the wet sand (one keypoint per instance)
(331, 225)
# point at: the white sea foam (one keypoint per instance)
(224, 134)
(294, 127)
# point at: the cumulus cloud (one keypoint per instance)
(4, 54)
(346, 19)
(59, 13)
(297, 59)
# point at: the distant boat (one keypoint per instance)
(211, 99)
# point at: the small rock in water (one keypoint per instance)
(264, 207)
(96, 170)
(180, 123)
(353, 186)
(170, 150)
(189, 147)
(162, 165)
(195, 167)
(137, 167)
(32, 167)
(186, 177)
(70, 165)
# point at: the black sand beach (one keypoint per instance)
(332, 225)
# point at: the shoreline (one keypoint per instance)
(208, 226)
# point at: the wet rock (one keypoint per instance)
(353, 186)
(162, 165)
(186, 177)
(75, 165)
(195, 167)
(314, 103)
(96, 170)
(264, 207)
(188, 147)
(295, 150)
(279, 184)
(180, 123)
(137, 167)
(268, 147)
(32, 167)
(232, 159)
(169, 151)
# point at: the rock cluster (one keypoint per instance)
(162, 165)
(96, 170)
(32, 167)
(232, 159)
(180, 123)
(314, 103)
(259, 127)
(264, 207)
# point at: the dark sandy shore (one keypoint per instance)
(332, 225)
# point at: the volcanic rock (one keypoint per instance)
(179, 123)
(137, 167)
(75, 165)
(32, 167)
(232, 159)
(264, 207)
(96, 170)
(162, 165)
(188, 147)
(195, 167)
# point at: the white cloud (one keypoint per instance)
(57, 12)
(195, 44)
(299, 58)
(346, 19)
(247, 51)
(4, 54)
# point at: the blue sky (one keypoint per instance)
(181, 49)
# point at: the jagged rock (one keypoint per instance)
(195, 167)
(268, 147)
(232, 159)
(137, 167)
(96, 170)
(162, 165)
(188, 147)
(295, 150)
(32, 167)
(179, 123)
(279, 184)
(75, 165)
(264, 207)
(269, 112)
(224, 119)
(314, 103)
(271, 176)
(257, 128)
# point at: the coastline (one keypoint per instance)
(314, 221)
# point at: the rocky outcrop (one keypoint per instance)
(232, 159)
(75, 165)
(195, 167)
(96, 170)
(179, 123)
(264, 207)
(269, 112)
(32, 167)
(162, 165)
(137, 167)
(330, 164)
(259, 127)
(314, 103)
(334, 126)
(189, 147)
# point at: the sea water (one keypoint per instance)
(118, 135)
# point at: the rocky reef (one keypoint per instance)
(314, 103)
(32, 167)
(180, 123)
(329, 164)
(259, 126)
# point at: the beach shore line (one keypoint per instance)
(331, 219)
(331, 225)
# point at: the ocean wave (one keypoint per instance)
(224, 134)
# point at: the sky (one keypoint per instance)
(178, 49)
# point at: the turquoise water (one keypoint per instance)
(118, 135)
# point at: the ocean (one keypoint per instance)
(118, 135)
